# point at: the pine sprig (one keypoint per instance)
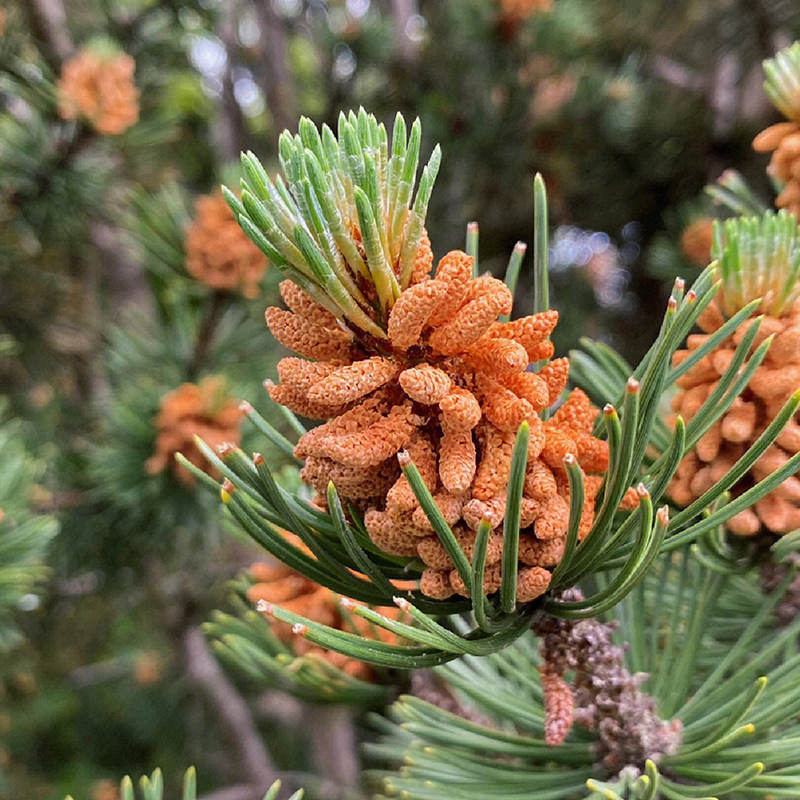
(346, 224)
(759, 257)
(628, 544)
(245, 642)
(716, 664)
(152, 788)
(362, 176)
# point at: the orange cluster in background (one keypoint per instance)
(696, 241)
(783, 141)
(522, 9)
(104, 790)
(147, 669)
(279, 584)
(218, 253)
(727, 440)
(100, 89)
(448, 391)
(192, 410)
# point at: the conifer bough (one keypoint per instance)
(702, 643)
(438, 462)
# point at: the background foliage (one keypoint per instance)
(627, 109)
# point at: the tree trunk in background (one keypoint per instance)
(49, 24)
(230, 130)
(402, 12)
(275, 76)
(230, 709)
(725, 95)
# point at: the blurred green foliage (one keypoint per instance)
(628, 109)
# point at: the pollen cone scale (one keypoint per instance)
(783, 138)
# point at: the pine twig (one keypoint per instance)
(205, 335)
(49, 23)
(230, 709)
(333, 743)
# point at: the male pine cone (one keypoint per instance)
(728, 439)
(449, 393)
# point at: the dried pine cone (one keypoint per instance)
(774, 382)
(217, 251)
(193, 410)
(100, 89)
(604, 696)
(277, 583)
(696, 241)
(449, 392)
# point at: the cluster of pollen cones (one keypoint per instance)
(277, 583)
(101, 90)
(697, 239)
(727, 440)
(218, 253)
(192, 410)
(448, 390)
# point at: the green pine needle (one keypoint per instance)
(782, 81)
(758, 257)
(347, 218)
(152, 788)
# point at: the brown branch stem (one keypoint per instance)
(49, 24)
(231, 711)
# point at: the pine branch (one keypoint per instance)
(205, 336)
(49, 23)
(333, 743)
(230, 708)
